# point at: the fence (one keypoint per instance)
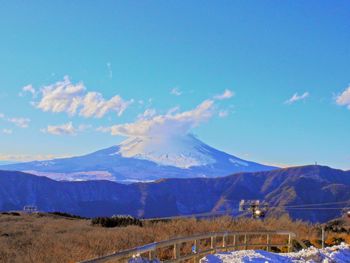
(213, 242)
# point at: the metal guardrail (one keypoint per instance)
(150, 250)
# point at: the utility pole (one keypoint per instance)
(256, 207)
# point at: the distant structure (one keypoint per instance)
(256, 207)
(29, 209)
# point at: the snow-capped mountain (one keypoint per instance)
(143, 159)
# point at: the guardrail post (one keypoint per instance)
(196, 244)
(151, 254)
(176, 251)
(289, 242)
(213, 242)
(267, 242)
(224, 241)
(323, 237)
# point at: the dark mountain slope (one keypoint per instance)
(168, 197)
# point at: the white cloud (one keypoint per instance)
(94, 105)
(173, 110)
(227, 94)
(64, 129)
(20, 122)
(28, 157)
(169, 124)
(344, 98)
(223, 113)
(104, 129)
(148, 113)
(297, 97)
(84, 127)
(7, 131)
(175, 91)
(29, 89)
(64, 96)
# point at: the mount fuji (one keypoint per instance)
(143, 159)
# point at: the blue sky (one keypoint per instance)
(264, 52)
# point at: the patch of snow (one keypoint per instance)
(238, 162)
(182, 151)
(45, 163)
(131, 181)
(77, 176)
(335, 254)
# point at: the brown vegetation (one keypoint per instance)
(54, 238)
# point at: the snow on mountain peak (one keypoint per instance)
(179, 151)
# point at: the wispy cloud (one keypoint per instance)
(64, 96)
(29, 157)
(148, 113)
(29, 89)
(7, 131)
(84, 127)
(223, 113)
(297, 97)
(176, 91)
(227, 94)
(64, 129)
(20, 122)
(110, 71)
(343, 99)
(170, 124)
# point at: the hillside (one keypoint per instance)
(169, 197)
(56, 239)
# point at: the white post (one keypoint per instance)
(289, 242)
(323, 237)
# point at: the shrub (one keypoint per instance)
(116, 221)
(67, 215)
(275, 249)
(60, 239)
(337, 241)
(15, 214)
(307, 243)
(11, 213)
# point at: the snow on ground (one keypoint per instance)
(335, 254)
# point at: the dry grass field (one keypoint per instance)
(51, 238)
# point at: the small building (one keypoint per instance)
(29, 209)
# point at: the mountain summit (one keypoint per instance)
(182, 151)
(143, 159)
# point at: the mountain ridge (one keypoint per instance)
(175, 196)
